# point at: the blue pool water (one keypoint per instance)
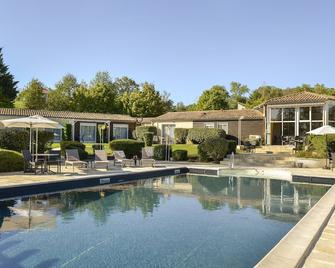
(183, 221)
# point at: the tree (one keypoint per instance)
(180, 107)
(125, 84)
(8, 86)
(102, 95)
(262, 94)
(33, 96)
(61, 98)
(237, 94)
(215, 98)
(144, 102)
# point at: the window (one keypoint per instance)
(120, 131)
(224, 126)
(331, 113)
(317, 113)
(88, 132)
(276, 114)
(57, 134)
(288, 114)
(304, 113)
(209, 125)
(304, 127)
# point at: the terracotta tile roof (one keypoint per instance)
(213, 115)
(301, 97)
(66, 115)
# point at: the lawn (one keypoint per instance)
(192, 149)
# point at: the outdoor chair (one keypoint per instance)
(31, 165)
(54, 160)
(72, 158)
(332, 161)
(100, 159)
(147, 157)
(121, 158)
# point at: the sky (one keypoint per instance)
(182, 46)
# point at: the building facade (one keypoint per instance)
(85, 127)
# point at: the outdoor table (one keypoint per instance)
(45, 157)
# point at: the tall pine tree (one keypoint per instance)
(8, 88)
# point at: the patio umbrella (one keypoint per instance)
(31, 122)
(323, 131)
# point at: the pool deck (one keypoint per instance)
(310, 243)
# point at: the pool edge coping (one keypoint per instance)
(294, 248)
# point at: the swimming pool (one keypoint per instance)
(176, 221)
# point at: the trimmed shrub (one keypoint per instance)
(180, 135)
(231, 146)
(148, 138)
(44, 140)
(10, 161)
(18, 139)
(14, 139)
(213, 149)
(179, 155)
(130, 147)
(141, 130)
(66, 145)
(160, 151)
(199, 135)
(68, 132)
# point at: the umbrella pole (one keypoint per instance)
(36, 152)
(30, 140)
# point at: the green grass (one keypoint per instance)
(192, 149)
(88, 147)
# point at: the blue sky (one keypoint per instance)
(183, 46)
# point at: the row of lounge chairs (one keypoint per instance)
(100, 160)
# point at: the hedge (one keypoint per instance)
(10, 161)
(213, 149)
(141, 130)
(180, 135)
(148, 138)
(129, 146)
(18, 139)
(160, 151)
(179, 155)
(67, 145)
(199, 135)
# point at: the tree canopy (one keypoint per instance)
(33, 96)
(8, 86)
(215, 98)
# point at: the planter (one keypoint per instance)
(309, 162)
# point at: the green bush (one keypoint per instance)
(148, 138)
(180, 135)
(213, 149)
(18, 139)
(317, 144)
(199, 135)
(10, 161)
(231, 146)
(141, 130)
(179, 155)
(14, 139)
(160, 151)
(130, 147)
(68, 132)
(66, 145)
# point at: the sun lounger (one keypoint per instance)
(100, 159)
(72, 158)
(121, 158)
(147, 157)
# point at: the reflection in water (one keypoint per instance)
(276, 199)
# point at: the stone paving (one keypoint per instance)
(323, 254)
